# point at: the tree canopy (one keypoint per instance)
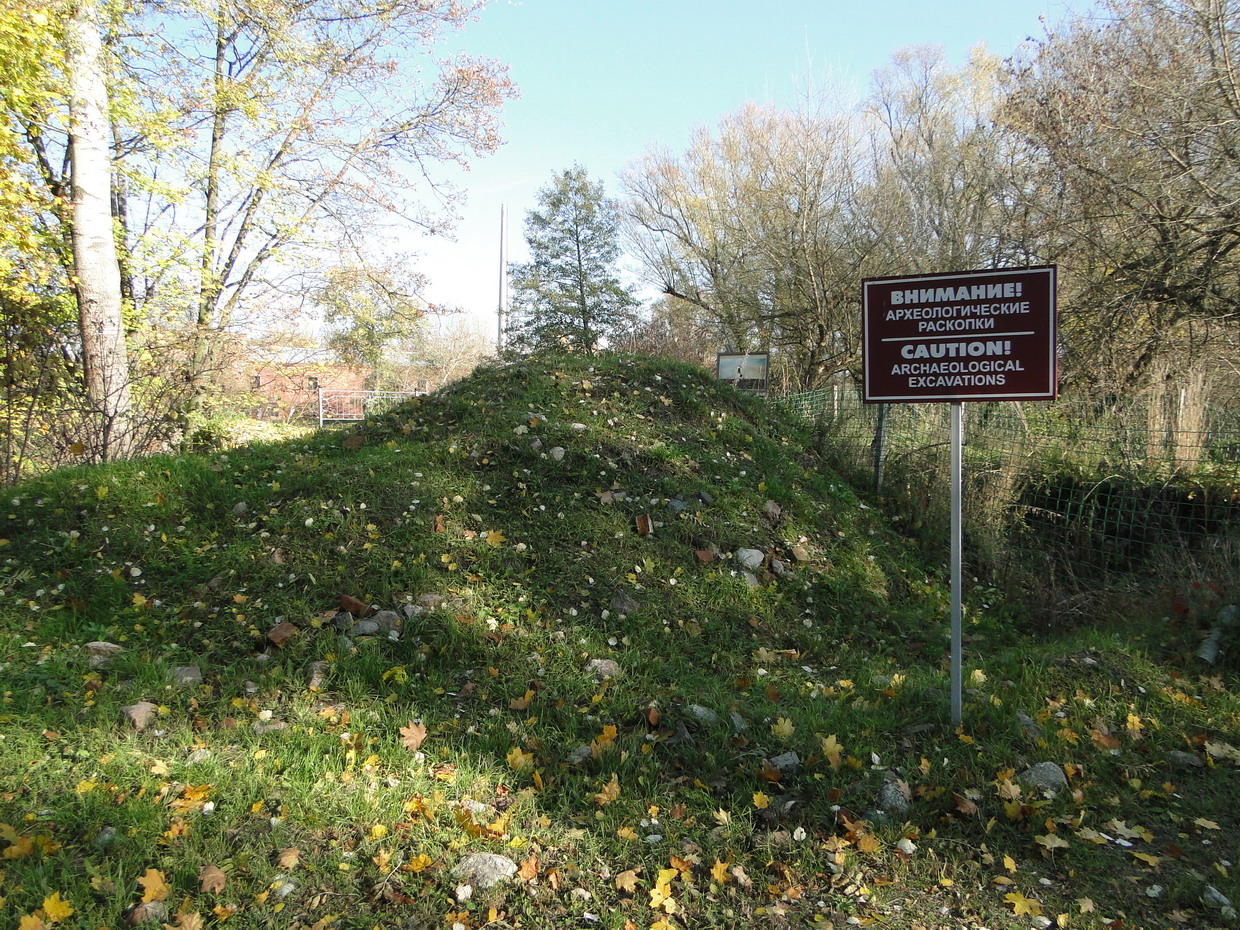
(569, 294)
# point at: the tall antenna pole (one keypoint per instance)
(503, 277)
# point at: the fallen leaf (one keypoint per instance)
(627, 881)
(154, 886)
(1022, 905)
(719, 872)
(609, 792)
(211, 878)
(288, 858)
(413, 735)
(761, 801)
(964, 805)
(55, 908)
(529, 868)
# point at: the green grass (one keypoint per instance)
(318, 815)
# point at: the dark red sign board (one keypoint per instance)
(968, 335)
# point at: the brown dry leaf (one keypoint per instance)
(523, 702)
(964, 805)
(645, 526)
(413, 735)
(529, 868)
(627, 881)
(154, 886)
(609, 792)
(768, 772)
(868, 843)
(441, 525)
(288, 858)
(211, 878)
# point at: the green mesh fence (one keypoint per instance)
(1081, 489)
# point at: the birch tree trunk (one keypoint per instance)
(96, 272)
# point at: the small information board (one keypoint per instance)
(961, 336)
(746, 371)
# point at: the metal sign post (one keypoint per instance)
(957, 553)
(962, 336)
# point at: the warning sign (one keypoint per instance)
(972, 335)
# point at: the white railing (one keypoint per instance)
(345, 406)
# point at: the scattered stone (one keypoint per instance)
(581, 755)
(354, 606)
(778, 568)
(199, 756)
(269, 726)
(556, 453)
(1215, 898)
(284, 889)
(703, 714)
(536, 444)
(365, 628)
(429, 601)
(676, 505)
(251, 687)
(140, 714)
(603, 668)
(185, 676)
(1029, 726)
(786, 762)
(316, 675)
(343, 621)
(280, 634)
(388, 620)
(706, 497)
(772, 510)
(577, 427)
(739, 723)
(893, 797)
(100, 654)
(483, 870)
(680, 735)
(105, 837)
(799, 553)
(751, 579)
(1044, 777)
(705, 556)
(750, 558)
(581, 894)
(463, 893)
(240, 507)
(1185, 761)
(148, 912)
(622, 602)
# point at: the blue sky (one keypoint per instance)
(603, 81)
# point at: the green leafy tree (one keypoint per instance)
(569, 294)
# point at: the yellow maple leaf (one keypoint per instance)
(1010, 864)
(1150, 860)
(609, 791)
(719, 872)
(783, 728)
(154, 886)
(1051, 841)
(495, 538)
(31, 922)
(627, 881)
(832, 750)
(55, 908)
(418, 863)
(1086, 905)
(1206, 824)
(1022, 905)
(760, 800)
(626, 833)
(519, 760)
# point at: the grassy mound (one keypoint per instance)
(631, 635)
